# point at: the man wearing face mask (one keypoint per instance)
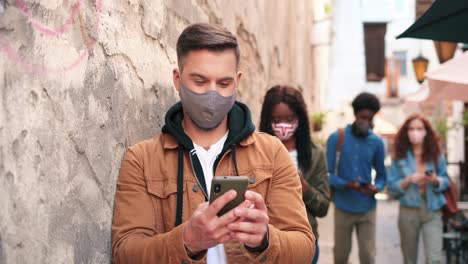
(350, 178)
(161, 210)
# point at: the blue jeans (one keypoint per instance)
(317, 251)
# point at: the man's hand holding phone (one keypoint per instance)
(252, 224)
(365, 188)
(353, 185)
(368, 189)
(206, 229)
(232, 213)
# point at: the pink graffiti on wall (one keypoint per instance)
(31, 68)
(39, 26)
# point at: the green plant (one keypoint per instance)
(443, 126)
(464, 121)
(328, 9)
(319, 118)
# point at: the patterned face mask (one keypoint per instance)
(284, 131)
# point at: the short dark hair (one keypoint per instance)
(366, 101)
(206, 36)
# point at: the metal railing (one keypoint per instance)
(456, 238)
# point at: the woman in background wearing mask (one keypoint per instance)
(417, 177)
(284, 115)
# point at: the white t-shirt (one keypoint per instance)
(207, 159)
(293, 155)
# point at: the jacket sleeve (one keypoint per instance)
(134, 237)
(381, 171)
(442, 175)
(395, 176)
(317, 196)
(290, 236)
(335, 181)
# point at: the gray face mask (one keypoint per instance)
(207, 110)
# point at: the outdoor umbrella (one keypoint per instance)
(450, 80)
(445, 20)
(447, 82)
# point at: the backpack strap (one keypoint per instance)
(339, 147)
(340, 139)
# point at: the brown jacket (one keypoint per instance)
(143, 229)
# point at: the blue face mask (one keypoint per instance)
(207, 110)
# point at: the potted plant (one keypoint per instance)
(318, 120)
(442, 125)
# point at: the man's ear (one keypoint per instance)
(239, 75)
(176, 78)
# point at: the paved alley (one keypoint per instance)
(388, 241)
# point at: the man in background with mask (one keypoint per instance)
(350, 178)
(161, 210)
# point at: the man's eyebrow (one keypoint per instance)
(197, 75)
(228, 78)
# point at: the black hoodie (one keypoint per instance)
(240, 127)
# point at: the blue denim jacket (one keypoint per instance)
(411, 196)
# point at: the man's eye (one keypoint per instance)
(224, 84)
(199, 82)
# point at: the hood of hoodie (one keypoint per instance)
(240, 127)
(239, 124)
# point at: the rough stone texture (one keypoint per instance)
(64, 128)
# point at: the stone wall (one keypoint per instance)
(81, 83)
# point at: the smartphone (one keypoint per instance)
(222, 184)
(428, 173)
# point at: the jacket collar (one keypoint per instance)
(247, 141)
(169, 141)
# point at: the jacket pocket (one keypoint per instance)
(163, 195)
(259, 180)
(194, 197)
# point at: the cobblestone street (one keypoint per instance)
(388, 241)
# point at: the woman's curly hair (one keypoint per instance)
(431, 147)
(293, 98)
